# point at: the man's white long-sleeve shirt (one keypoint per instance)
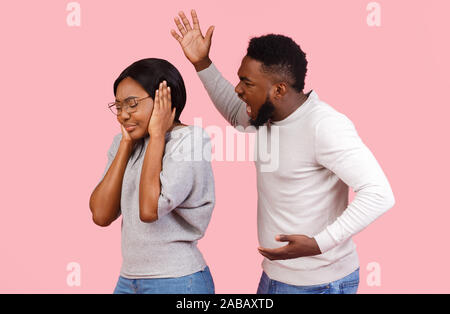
(315, 156)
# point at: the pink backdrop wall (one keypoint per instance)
(392, 81)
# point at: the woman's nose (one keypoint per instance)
(122, 118)
(124, 115)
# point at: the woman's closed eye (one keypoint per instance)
(128, 103)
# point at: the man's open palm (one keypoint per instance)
(194, 45)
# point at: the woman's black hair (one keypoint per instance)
(149, 73)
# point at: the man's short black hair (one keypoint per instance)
(281, 56)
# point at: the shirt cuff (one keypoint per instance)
(208, 73)
(325, 241)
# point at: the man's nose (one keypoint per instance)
(238, 90)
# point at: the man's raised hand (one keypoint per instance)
(194, 45)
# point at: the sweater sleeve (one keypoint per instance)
(339, 148)
(180, 170)
(224, 98)
(112, 151)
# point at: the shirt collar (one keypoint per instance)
(300, 111)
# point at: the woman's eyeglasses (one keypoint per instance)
(129, 104)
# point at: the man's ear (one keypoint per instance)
(279, 90)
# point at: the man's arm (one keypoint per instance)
(340, 149)
(196, 49)
(223, 96)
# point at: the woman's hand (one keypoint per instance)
(194, 45)
(126, 138)
(162, 115)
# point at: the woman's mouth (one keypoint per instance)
(130, 127)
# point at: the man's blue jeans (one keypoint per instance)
(198, 283)
(347, 285)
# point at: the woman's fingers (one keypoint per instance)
(125, 135)
(164, 97)
(156, 105)
(163, 115)
(166, 101)
(169, 96)
(172, 117)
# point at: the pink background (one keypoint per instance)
(391, 81)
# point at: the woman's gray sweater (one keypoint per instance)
(168, 247)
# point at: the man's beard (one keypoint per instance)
(265, 113)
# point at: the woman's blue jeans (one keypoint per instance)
(347, 285)
(198, 283)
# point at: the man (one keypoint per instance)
(305, 223)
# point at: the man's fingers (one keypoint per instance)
(185, 21)
(209, 34)
(277, 251)
(195, 20)
(176, 36)
(180, 26)
(283, 238)
(271, 254)
(265, 254)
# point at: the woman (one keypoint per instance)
(165, 196)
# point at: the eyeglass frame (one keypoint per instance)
(136, 103)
